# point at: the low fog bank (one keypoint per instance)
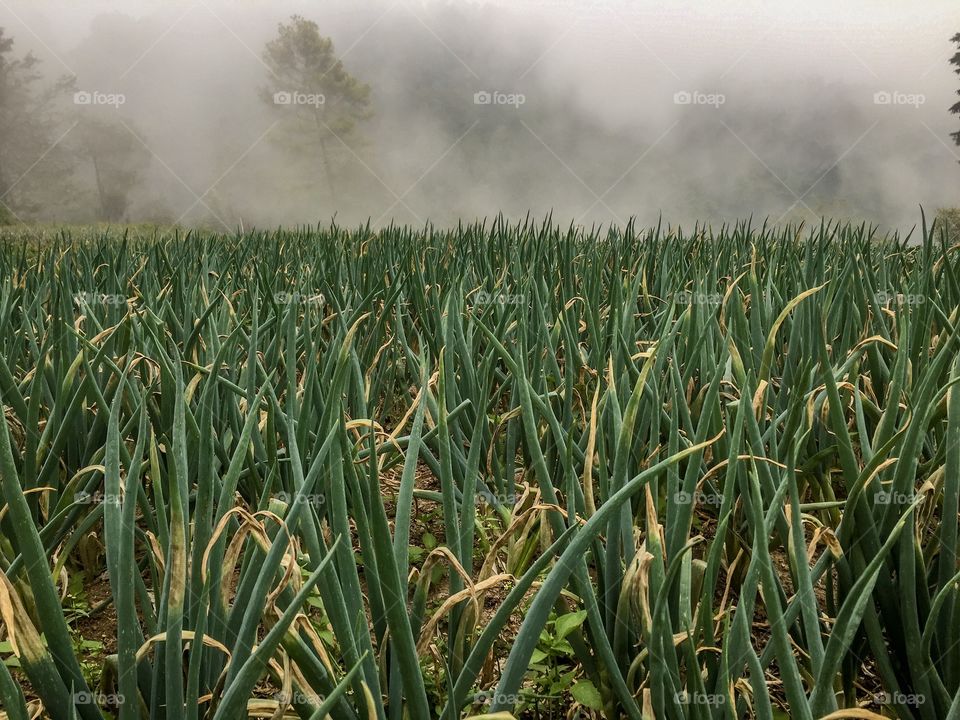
(595, 112)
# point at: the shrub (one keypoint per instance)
(950, 218)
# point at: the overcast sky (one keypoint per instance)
(694, 110)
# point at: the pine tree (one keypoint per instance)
(955, 60)
(28, 133)
(320, 101)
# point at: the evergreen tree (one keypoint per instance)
(955, 61)
(320, 102)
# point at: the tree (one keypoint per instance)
(320, 101)
(949, 219)
(116, 160)
(955, 60)
(31, 165)
(16, 76)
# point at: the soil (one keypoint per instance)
(100, 623)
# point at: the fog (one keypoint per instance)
(594, 112)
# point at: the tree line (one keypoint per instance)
(58, 141)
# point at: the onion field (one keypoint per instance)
(499, 471)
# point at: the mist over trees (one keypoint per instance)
(955, 61)
(313, 117)
(115, 161)
(319, 102)
(28, 131)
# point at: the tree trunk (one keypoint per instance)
(7, 214)
(104, 212)
(325, 156)
(3, 181)
(327, 171)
